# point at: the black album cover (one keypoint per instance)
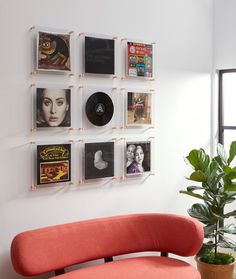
(53, 51)
(53, 107)
(99, 108)
(53, 163)
(99, 56)
(138, 157)
(99, 160)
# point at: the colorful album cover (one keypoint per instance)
(53, 107)
(99, 160)
(139, 60)
(53, 163)
(99, 56)
(139, 108)
(138, 157)
(53, 51)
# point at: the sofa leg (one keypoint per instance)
(59, 271)
(164, 254)
(107, 260)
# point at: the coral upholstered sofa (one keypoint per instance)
(54, 248)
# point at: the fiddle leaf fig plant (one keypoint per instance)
(216, 188)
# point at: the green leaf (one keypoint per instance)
(192, 188)
(232, 152)
(206, 248)
(209, 231)
(202, 213)
(230, 187)
(198, 176)
(230, 172)
(198, 159)
(226, 242)
(222, 153)
(231, 228)
(192, 194)
(230, 214)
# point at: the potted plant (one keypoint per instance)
(216, 189)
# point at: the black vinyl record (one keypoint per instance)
(99, 109)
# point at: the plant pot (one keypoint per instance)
(215, 271)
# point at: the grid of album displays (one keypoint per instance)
(96, 126)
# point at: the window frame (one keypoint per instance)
(221, 126)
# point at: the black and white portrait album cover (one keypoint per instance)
(53, 107)
(99, 160)
(138, 157)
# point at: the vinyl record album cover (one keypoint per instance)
(53, 163)
(99, 108)
(99, 160)
(138, 157)
(53, 107)
(99, 55)
(53, 51)
(139, 60)
(139, 108)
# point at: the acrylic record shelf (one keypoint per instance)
(108, 115)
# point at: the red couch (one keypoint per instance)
(57, 247)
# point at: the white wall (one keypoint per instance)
(224, 52)
(183, 32)
(225, 41)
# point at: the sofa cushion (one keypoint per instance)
(136, 268)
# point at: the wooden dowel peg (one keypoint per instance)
(81, 34)
(115, 38)
(31, 28)
(71, 32)
(33, 187)
(33, 142)
(123, 39)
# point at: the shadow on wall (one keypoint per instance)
(7, 270)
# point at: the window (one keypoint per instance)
(227, 107)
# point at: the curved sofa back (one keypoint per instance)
(51, 248)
